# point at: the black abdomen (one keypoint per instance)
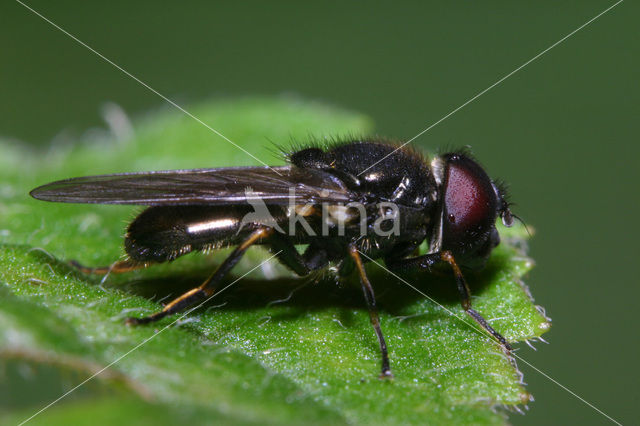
(164, 233)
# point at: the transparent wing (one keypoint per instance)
(222, 186)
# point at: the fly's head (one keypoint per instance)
(470, 204)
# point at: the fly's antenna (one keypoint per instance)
(519, 219)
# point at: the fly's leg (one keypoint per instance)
(429, 260)
(465, 298)
(313, 259)
(116, 267)
(208, 288)
(370, 298)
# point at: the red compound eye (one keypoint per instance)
(466, 200)
(470, 204)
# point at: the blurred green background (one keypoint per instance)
(562, 131)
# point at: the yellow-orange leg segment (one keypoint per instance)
(208, 288)
(116, 268)
(465, 296)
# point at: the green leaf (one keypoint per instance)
(271, 349)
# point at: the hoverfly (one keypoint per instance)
(346, 212)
